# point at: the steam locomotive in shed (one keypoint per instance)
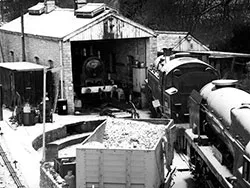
(93, 83)
(218, 142)
(170, 82)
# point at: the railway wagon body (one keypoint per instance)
(170, 82)
(218, 143)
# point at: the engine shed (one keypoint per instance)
(23, 80)
(58, 37)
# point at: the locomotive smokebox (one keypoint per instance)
(93, 67)
(92, 71)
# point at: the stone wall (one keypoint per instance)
(50, 136)
(68, 77)
(51, 179)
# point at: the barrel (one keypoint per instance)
(28, 119)
(62, 107)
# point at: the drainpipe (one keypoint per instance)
(45, 5)
(22, 33)
(61, 64)
(44, 112)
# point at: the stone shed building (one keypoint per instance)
(178, 41)
(57, 37)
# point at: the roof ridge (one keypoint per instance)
(171, 32)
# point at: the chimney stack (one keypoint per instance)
(49, 5)
(79, 3)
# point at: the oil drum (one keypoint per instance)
(62, 107)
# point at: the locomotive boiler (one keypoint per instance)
(170, 82)
(218, 140)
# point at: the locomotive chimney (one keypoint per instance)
(167, 51)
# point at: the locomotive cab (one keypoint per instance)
(173, 83)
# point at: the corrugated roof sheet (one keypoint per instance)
(57, 24)
(22, 66)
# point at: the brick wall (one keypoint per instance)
(68, 78)
(151, 50)
(44, 49)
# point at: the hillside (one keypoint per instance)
(220, 24)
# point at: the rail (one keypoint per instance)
(11, 169)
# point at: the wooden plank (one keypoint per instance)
(101, 173)
(92, 184)
(115, 180)
(128, 169)
(111, 185)
(80, 168)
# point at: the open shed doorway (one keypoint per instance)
(93, 64)
(117, 59)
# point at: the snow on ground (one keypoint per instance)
(68, 151)
(6, 180)
(183, 177)
(18, 141)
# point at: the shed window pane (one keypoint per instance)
(12, 58)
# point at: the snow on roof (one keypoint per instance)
(57, 24)
(61, 23)
(22, 66)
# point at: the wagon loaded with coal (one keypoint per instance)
(126, 153)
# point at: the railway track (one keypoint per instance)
(10, 168)
(185, 160)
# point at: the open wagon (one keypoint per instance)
(124, 153)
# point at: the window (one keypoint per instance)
(36, 60)
(51, 64)
(12, 58)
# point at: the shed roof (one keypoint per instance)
(61, 23)
(171, 39)
(22, 66)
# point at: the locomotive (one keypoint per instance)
(94, 81)
(219, 134)
(170, 82)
